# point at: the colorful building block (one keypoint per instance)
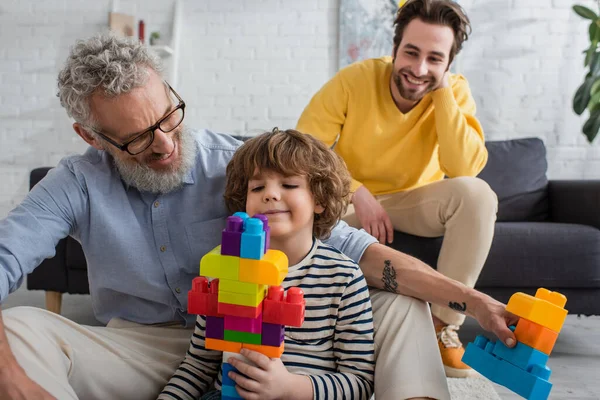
(546, 308)
(242, 337)
(222, 345)
(536, 336)
(269, 351)
(253, 239)
(266, 228)
(241, 324)
(229, 392)
(231, 286)
(521, 355)
(239, 311)
(215, 265)
(270, 270)
(203, 297)
(272, 334)
(288, 311)
(231, 237)
(214, 327)
(532, 385)
(242, 299)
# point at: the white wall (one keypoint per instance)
(254, 64)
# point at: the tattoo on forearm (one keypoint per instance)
(456, 306)
(389, 277)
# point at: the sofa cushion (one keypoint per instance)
(516, 171)
(543, 254)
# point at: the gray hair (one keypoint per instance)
(114, 64)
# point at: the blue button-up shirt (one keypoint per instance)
(142, 249)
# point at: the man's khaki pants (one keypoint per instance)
(463, 210)
(134, 362)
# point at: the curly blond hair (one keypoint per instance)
(289, 153)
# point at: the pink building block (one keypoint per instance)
(231, 237)
(288, 311)
(242, 324)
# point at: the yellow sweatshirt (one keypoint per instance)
(386, 150)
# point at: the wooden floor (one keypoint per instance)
(575, 360)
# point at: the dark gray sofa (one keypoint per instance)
(547, 234)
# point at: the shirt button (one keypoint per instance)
(156, 204)
(163, 248)
(178, 290)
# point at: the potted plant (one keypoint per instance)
(588, 94)
(154, 38)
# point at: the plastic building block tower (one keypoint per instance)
(522, 368)
(245, 304)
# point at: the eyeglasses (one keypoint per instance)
(142, 141)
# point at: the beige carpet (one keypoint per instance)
(472, 389)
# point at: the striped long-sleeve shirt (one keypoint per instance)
(334, 346)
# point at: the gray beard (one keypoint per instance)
(145, 179)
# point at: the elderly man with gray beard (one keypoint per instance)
(145, 202)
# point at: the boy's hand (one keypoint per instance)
(269, 379)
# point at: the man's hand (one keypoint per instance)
(269, 379)
(372, 216)
(444, 82)
(493, 317)
(16, 385)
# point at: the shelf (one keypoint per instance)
(162, 50)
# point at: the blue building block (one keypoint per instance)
(521, 355)
(242, 215)
(253, 239)
(532, 384)
(229, 392)
(225, 368)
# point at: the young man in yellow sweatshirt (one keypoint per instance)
(402, 124)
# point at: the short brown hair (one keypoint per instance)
(289, 153)
(440, 12)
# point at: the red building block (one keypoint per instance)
(289, 312)
(203, 297)
(239, 311)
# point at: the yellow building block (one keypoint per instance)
(231, 286)
(242, 299)
(546, 308)
(270, 270)
(215, 265)
(269, 351)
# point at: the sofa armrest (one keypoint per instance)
(575, 201)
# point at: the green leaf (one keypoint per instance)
(590, 52)
(595, 87)
(592, 30)
(594, 102)
(591, 126)
(582, 96)
(585, 12)
(594, 65)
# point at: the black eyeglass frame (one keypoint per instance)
(125, 146)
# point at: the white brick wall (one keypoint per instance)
(254, 64)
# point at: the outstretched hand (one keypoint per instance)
(493, 317)
(373, 218)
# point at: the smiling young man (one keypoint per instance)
(404, 124)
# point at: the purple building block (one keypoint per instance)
(266, 228)
(214, 327)
(253, 239)
(272, 334)
(231, 237)
(242, 324)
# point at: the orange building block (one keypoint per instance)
(222, 345)
(536, 336)
(270, 270)
(269, 351)
(546, 308)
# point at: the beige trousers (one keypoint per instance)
(463, 210)
(134, 362)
